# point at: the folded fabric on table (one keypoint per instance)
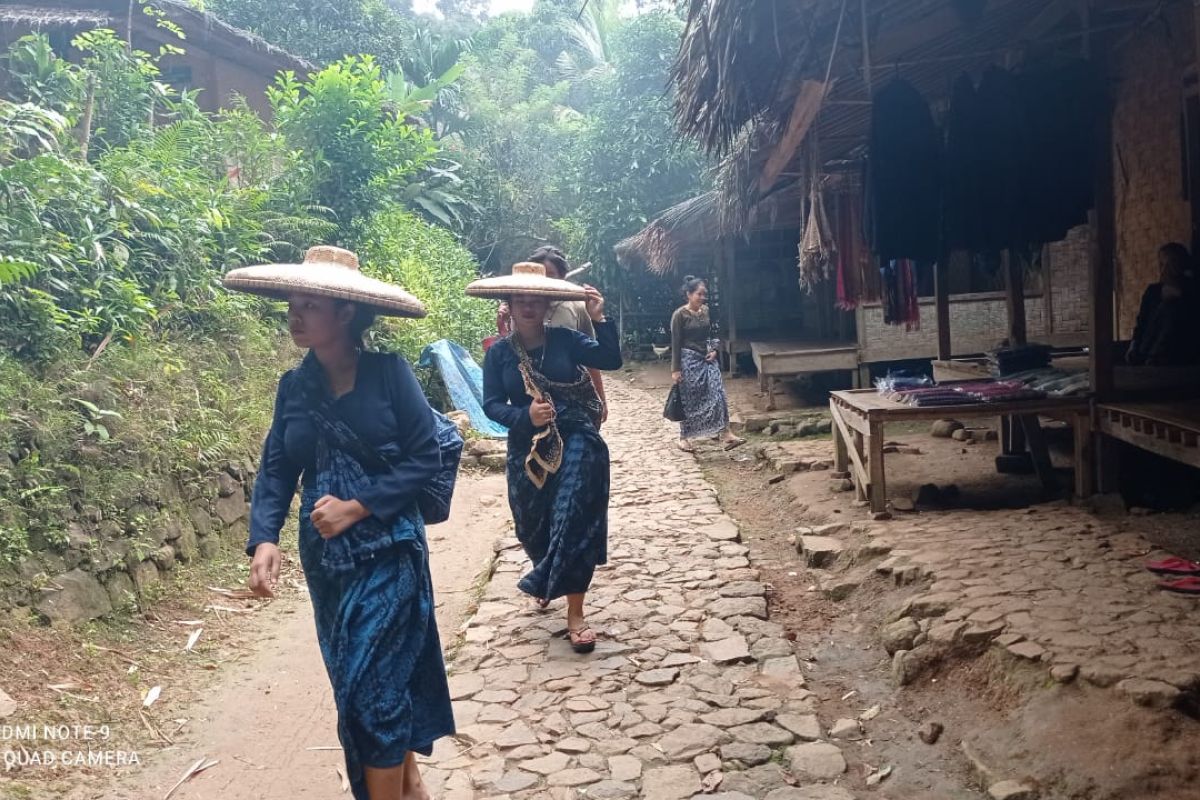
(931, 396)
(998, 391)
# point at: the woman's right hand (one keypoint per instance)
(677, 376)
(541, 413)
(264, 569)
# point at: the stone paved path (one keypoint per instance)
(1055, 586)
(690, 689)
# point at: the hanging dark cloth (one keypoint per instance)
(901, 306)
(964, 210)
(1067, 103)
(1020, 157)
(903, 176)
(1003, 139)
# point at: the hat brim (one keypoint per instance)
(325, 280)
(504, 286)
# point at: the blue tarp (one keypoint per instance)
(464, 382)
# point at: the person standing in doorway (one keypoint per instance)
(535, 382)
(695, 369)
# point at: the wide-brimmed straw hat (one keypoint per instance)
(526, 278)
(328, 272)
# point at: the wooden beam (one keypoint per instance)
(1101, 263)
(1014, 288)
(941, 292)
(804, 113)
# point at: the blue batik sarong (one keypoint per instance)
(377, 631)
(563, 527)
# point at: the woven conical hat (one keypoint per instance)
(328, 272)
(526, 278)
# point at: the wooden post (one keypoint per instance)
(941, 291)
(878, 494)
(1100, 268)
(725, 252)
(1014, 286)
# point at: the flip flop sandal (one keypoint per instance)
(579, 646)
(1173, 565)
(1189, 585)
(732, 443)
(686, 447)
(540, 604)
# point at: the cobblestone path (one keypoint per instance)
(690, 689)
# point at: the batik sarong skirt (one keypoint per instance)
(379, 639)
(563, 526)
(706, 411)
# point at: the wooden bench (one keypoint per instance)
(1171, 430)
(779, 359)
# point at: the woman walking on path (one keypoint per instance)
(535, 382)
(561, 313)
(694, 367)
(355, 429)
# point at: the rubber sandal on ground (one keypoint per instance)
(686, 447)
(578, 643)
(732, 443)
(1173, 565)
(1189, 585)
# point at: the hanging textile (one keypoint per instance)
(963, 212)
(1068, 104)
(1004, 141)
(854, 286)
(901, 305)
(818, 252)
(903, 176)
(1019, 156)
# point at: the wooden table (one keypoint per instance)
(778, 359)
(860, 415)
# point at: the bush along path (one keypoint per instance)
(691, 688)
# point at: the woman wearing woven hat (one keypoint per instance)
(354, 428)
(536, 382)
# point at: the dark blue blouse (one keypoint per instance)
(504, 397)
(386, 408)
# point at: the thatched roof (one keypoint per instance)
(750, 77)
(203, 29)
(692, 226)
(755, 80)
(42, 17)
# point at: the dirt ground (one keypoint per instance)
(264, 711)
(1001, 719)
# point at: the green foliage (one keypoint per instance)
(359, 150)
(35, 73)
(427, 261)
(102, 251)
(127, 90)
(324, 31)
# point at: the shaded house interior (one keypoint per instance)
(784, 97)
(223, 62)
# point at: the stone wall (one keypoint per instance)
(1148, 164)
(112, 561)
